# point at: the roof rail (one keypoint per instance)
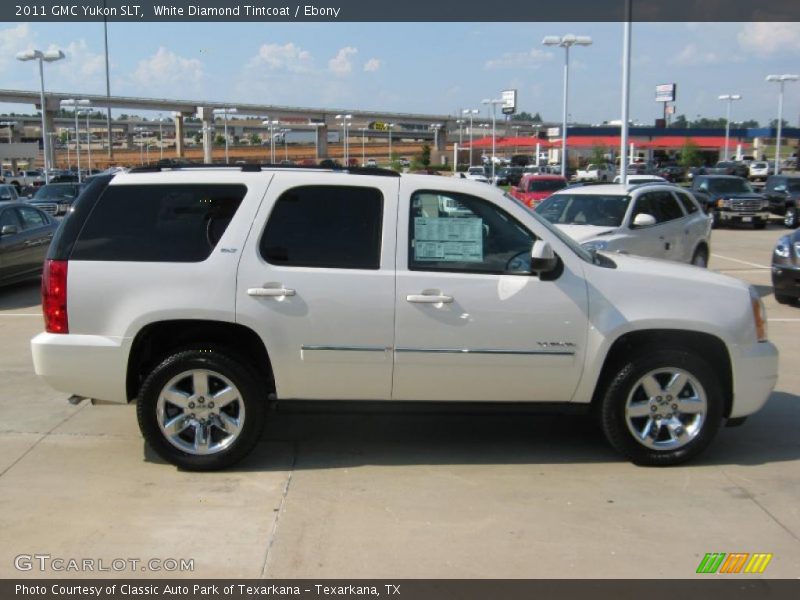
(634, 185)
(257, 167)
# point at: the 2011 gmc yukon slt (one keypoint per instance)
(202, 293)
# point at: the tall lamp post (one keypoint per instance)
(566, 42)
(390, 126)
(471, 112)
(494, 103)
(228, 110)
(316, 126)
(87, 112)
(460, 142)
(345, 146)
(43, 57)
(284, 132)
(76, 104)
(142, 131)
(363, 131)
(781, 79)
(271, 124)
(729, 99)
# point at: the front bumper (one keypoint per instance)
(90, 366)
(727, 216)
(786, 279)
(755, 373)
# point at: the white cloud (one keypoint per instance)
(81, 67)
(692, 55)
(288, 57)
(167, 70)
(373, 64)
(341, 63)
(13, 40)
(765, 39)
(513, 60)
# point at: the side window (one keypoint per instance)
(688, 205)
(667, 207)
(457, 232)
(31, 218)
(158, 223)
(9, 217)
(644, 206)
(325, 226)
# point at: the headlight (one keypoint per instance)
(759, 315)
(783, 248)
(723, 203)
(595, 245)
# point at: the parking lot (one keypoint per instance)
(399, 494)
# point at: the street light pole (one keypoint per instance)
(87, 112)
(76, 104)
(729, 98)
(781, 79)
(626, 95)
(494, 104)
(43, 57)
(471, 112)
(566, 42)
(390, 126)
(225, 112)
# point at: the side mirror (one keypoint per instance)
(644, 220)
(9, 230)
(543, 259)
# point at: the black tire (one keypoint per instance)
(623, 384)
(252, 394)
(716, 221)
(784, 299)
(790, 218)
(700, 258)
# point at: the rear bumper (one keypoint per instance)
(86, 365)
(786, 279)
(755, 373)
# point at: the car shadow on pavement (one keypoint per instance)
(27, 294)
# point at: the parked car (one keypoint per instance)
(596, 172)
(658, 221)
(786, 268)
(672, 173)
(404, 162)
(371, 162)
(731, 199)
(22, 179)
(25, 234)
(205, 294)
(759, 170)
(476, 174)
(639, 179)
(723, 167)
(508, 176)
(8, 193)
(534, 188)
(56, 198)
(695, 172)
(783, 194)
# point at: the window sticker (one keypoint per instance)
(448, 239)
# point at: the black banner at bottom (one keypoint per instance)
(733, 588)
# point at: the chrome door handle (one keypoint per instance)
(429, 299)
(271, 292)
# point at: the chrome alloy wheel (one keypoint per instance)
(666, 409)
(200, 412)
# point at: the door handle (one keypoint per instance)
(270, 292)
(429, 299)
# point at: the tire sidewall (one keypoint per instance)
(212, 360)
(613, 406)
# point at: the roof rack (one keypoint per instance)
(258, 167)
(634, 185)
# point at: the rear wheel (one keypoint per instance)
(662, 408)
(790, 218)
(201, 410)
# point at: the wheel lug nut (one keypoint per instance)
(191, 404)
(653, 408)
(674, 407)
(210, 405)
(669, 398)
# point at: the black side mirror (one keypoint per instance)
(9, 230)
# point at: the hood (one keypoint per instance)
(584, 233)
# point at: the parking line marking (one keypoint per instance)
(20, 314)
(738, 270)
(742, 262)
(784, 320)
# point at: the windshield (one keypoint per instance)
(729, 186)
(55, 191)
(793, 186)
(545, 185)
(7, 193)
(584, 209)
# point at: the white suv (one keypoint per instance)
(650, 219)
(203, 293)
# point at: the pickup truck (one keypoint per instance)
(596, 172)
(738, 169)
(731, 199)
(23, 179)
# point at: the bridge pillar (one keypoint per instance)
(180, 134)
(322, 141)
(206, 114)
(49, 121)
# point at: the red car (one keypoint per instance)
(534, 188)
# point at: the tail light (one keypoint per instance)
(54, 296)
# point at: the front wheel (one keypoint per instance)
(662, 408)
(790, 218)
(201, 410)
(700, 258)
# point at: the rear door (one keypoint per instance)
(12, 245)
(316, 281)
(36, 233)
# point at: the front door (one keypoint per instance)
(472, 322)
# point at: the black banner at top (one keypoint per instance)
(400, 10)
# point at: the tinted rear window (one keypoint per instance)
(158, 223)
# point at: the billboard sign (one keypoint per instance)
(665, 92)
(509, 102)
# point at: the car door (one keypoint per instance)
(644, 240)
(12, 244)
(316, 282)
(697, 225)
(472, 323)
(37, 233)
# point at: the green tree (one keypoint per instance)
(255, 139)
(690, 155)
(598, 155)
(425, 156)
(198, 137)
(679, 122)
(219, 140)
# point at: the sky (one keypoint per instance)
(435, 68)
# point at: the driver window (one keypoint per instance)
(457, 232)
